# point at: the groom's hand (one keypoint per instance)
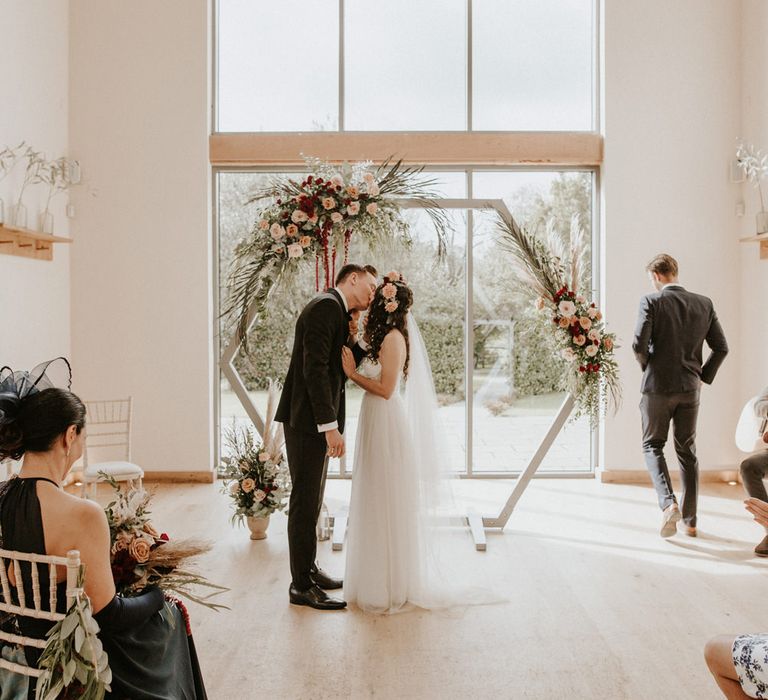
(335, 442)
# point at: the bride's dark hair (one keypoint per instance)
(389, 310)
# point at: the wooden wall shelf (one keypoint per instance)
(28, 244)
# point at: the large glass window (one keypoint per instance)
(475, 321)
(436, 65)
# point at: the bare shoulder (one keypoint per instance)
(88, 512)
(394, 339)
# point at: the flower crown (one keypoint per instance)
(389, 290)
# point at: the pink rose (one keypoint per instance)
(263, 224)
(337, 180)
(592, 312)
(563, 322)
(234, 488)
(353, 192)
(372, 208)
(259, 495)
(373, 190)
(567, 308)
(329, 203)
(295, 250)
(313, 219)
(277, 231)
(305, 241)
(591, 350)
(353, 209)
(298, 216)
(579, 340)
(389, 291)
(263, 456)
(247, 485)
(337, 217)
(390, 307)
(393, 276)
(139, 549)
(585, 323)
(540, 303)
(608, 344)
(594, 335)
(292, 230)
(368, 178)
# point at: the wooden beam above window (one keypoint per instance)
(427, 148)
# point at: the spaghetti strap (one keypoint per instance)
(38, 478)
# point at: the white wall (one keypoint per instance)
(141, 310)
(34, 293)
(753, 350)
(672, 114)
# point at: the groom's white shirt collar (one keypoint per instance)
(672, 284)
(343, 299)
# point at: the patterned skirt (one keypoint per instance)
(750, 657)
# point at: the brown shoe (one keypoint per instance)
(669, 520)
(690, 531)
(762, 549)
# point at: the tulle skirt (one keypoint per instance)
(385, 569)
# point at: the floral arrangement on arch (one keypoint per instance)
(256, 474)
(570, 324)
(313, 220)
(141, 556)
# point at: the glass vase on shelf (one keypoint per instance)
(762, 222)
(46, 223)
(19, 216)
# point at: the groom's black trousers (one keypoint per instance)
(308, 465)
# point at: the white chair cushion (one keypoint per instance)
(117, 470)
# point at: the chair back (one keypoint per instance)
(33, 608)
(108, 427)
(750, 428)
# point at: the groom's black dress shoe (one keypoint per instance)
(324, 581)
(315, 597)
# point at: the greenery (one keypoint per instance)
(74, 661)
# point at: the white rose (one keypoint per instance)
(234, 488)
(568, 354)
(373, 190)
(594, 335)
(259, 495)
(277, 231)
(295, 250)
(368, 178)
(580, 299)
(567, 308)
(337, 218)
(591, 350)
(337, 180)
(298, 216)
(592, 312)
(353, 209)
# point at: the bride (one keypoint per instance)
(399, 495)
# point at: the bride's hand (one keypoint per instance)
(348, 361)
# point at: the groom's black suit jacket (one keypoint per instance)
(313, 392)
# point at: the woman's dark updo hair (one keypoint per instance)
(380, 321)
(42, 417)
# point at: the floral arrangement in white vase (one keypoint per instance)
(754, 162)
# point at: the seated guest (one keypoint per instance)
(739, 664)
(150, 656)
(754, 468)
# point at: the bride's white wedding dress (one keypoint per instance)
(384, 572)
(398, 518)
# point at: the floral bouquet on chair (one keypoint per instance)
(255, 471)
(142, 556)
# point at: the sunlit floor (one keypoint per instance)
(599, 605)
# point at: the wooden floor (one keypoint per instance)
(599, 605)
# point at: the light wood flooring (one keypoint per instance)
(599, 605)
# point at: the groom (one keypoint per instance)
(311, 409)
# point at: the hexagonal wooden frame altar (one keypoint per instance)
(477, 523)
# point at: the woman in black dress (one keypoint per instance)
(150, 656)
